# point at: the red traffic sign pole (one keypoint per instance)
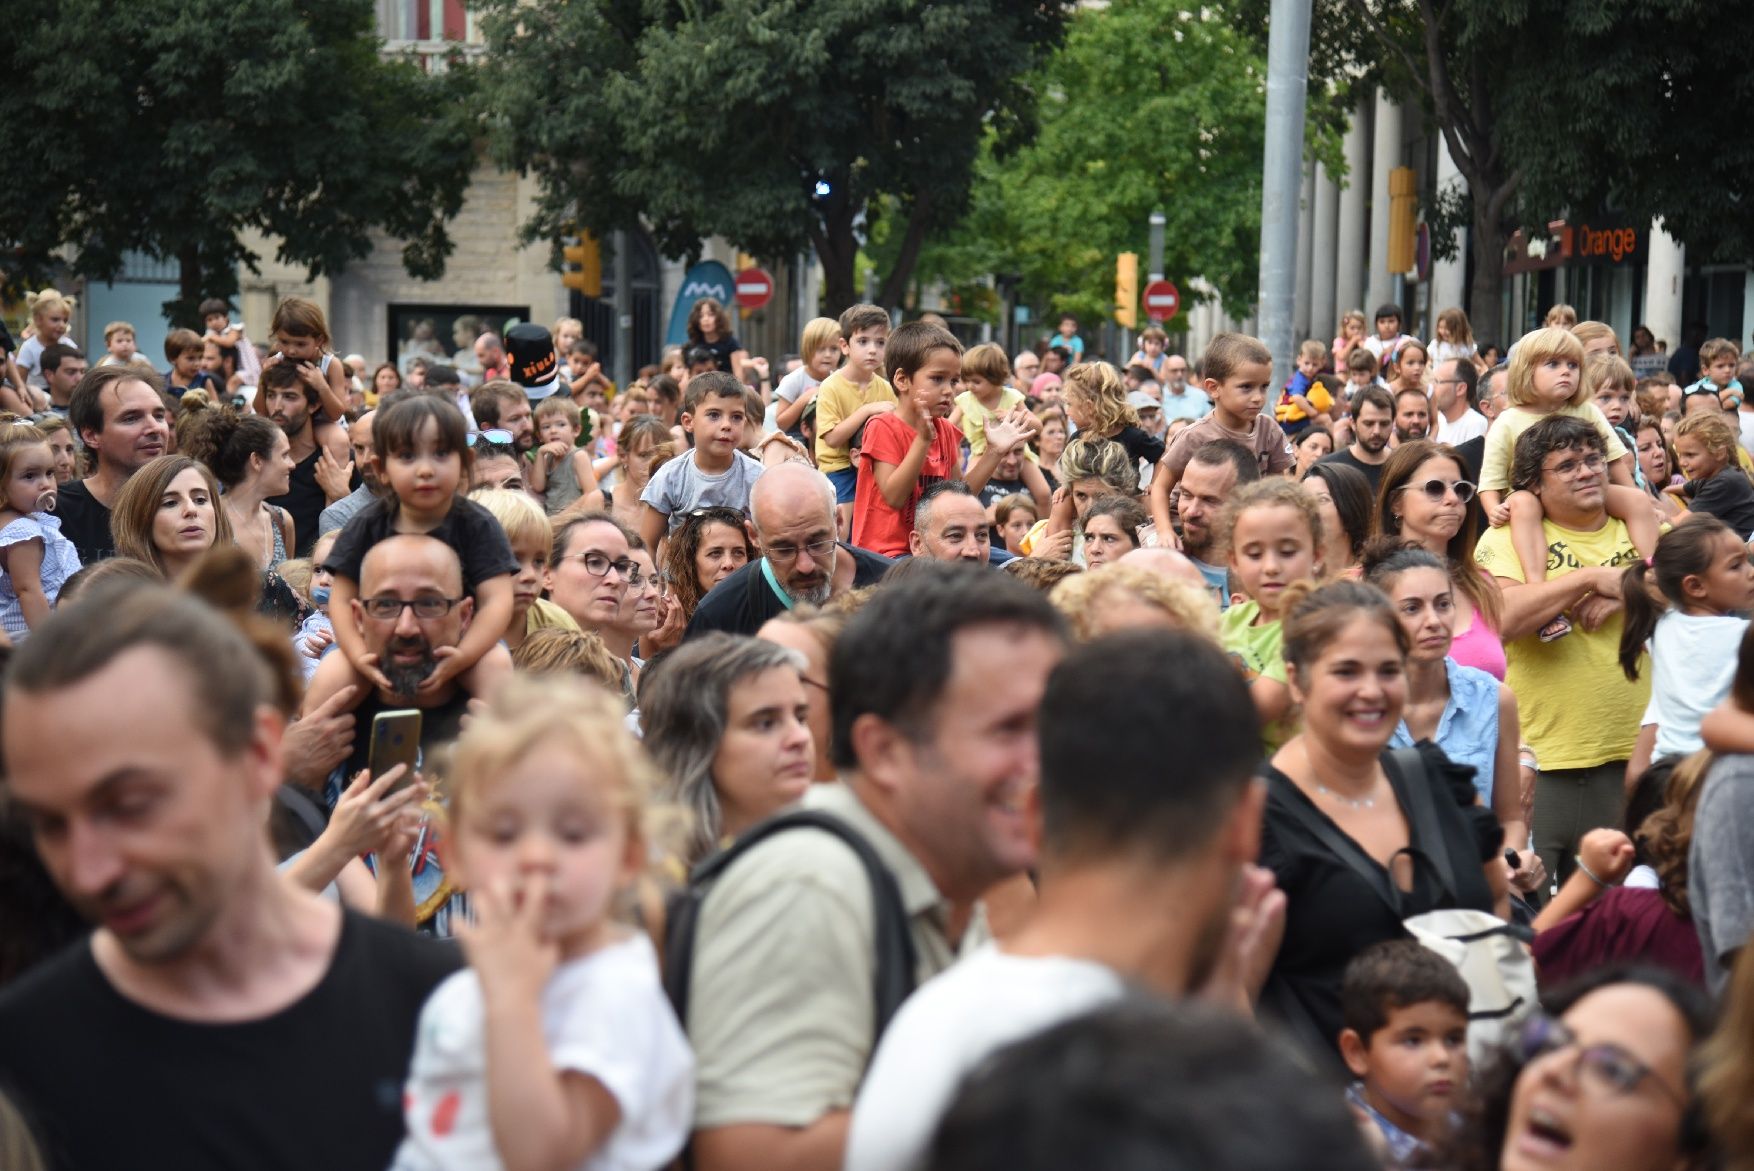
(1161, 300)
(754, 288)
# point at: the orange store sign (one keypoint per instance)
(1585, 243)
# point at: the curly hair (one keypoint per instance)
(1090, 457)
(679, 556)
(1667, 834)
(1186, 605)
(1275, 492)
(1099, 386)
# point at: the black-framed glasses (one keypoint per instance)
(388, 609)
(1607, 1068)
(599, 565)
(1434, 489)
(494, 436)
(1565, 469)
(784, 554)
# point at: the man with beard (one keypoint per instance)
(1213, 474)
(119, 416)
(502, 405)
(411, 604)
(212, 994)
(359, 438)
(1142, 862)
(291, 404)
(793, 509)
(1412, 415)
(1373, 420)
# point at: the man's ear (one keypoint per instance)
(754, 537)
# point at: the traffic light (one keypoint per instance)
(582, 266)
(1127, 290)
(1403, 212)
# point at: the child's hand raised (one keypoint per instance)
(507, 944)
(1005, 435)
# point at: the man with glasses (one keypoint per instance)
(591, 570)
(1580, 713)
(1452, 402)
(802, 561)
(1180, 400)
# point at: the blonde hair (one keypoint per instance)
(521, 517)
(562, 405)
(1352, 315)
(1713, 430)
(818, 332)
(1561, 315)
(115, 327)
(1190, 607)
(1313, 348)
(1534, 348)
(525, 714)
(296, 573)
(46, 302)
(562, 650)
(1461, 332)
(1590, 331)
(1608, 372)
(1100, 385)
(1088, 456)
(1718, 347)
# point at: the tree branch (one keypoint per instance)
(1383, 35)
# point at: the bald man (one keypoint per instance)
(1166, 563)
(792, 506)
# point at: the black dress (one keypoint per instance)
(1332, 913)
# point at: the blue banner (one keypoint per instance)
(709, 278)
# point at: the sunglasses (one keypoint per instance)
(1434, 489)
(496, 437)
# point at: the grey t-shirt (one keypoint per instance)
(1720, 865)
(680, 487)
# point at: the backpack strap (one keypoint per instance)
(1422, 813)
(894, 976)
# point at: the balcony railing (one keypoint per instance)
(434, 56)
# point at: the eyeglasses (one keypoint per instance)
(597, 565)
(1607, 1068)
(1434, 489)
(390, 609)
(497, 436)
(1569, 468)
(780, 554)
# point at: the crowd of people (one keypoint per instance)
(936, 758)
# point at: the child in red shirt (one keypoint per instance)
(915, 445)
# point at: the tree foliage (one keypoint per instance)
(171, 126)
(775, 123)
(1148, 107)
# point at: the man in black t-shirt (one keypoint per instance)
(292, 405)
(120, 418)
(1373, 420)
(218, 1016)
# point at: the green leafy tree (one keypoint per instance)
(775, 123)
(1149, 106)
(172, 126)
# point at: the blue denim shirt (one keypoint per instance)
(1468, 729)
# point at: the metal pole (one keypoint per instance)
(1282, 178)
(1156, 250)
(623, 312)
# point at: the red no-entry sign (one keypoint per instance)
(1161, 300)
(754, 288)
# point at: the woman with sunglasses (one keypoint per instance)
(1424, 496)
(1600, 1081)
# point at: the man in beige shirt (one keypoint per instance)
(934, 687)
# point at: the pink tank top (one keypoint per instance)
(1479, 646)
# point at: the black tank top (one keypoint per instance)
(305, 500)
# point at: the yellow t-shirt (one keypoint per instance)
(975, 416)
(1578, 709)
(1501, 440)
(837, 398)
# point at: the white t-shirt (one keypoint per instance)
(1471, 425)
(1692, 664)
(948, 1027)
(680, 487)
(604, 1015)
(1745, 421)
(30, 359)
(1448, 351)
(1378, 347)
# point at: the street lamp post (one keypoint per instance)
(1282, 178)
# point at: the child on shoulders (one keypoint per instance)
(714, 472)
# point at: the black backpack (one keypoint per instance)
(894, 977)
